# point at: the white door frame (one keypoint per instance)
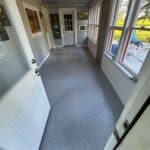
(74, 10)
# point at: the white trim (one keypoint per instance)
(35, 35)
(41, 64)
(58, 46)
(74, 10)
(82, 45)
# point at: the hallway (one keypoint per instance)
(85, 107)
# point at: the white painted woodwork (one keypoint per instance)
(67, 38)
(23, 114)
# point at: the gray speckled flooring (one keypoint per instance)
(85, 107)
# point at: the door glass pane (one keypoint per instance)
(13, 64)
(137, 50)
(68, 23)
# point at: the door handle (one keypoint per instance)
(33, 61)
(37, 72)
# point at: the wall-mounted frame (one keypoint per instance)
(33, 20)
(83, 28)
(83, 15)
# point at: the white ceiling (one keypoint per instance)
(82, 3)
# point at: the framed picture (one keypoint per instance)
(83, 28)
(33, 18)
(83, 15)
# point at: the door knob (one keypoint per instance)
(37, 72)
(33, 61)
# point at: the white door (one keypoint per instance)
(24, 105)
(68, 28)
(138, 137)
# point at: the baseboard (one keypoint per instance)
(43, 61)
(82, 45)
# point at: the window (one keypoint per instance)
(129, 34)
(138, 45)
(94, 15)
(116, 26)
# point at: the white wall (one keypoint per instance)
(119, 80)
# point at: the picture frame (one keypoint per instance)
(83, 15)
(83, 28)
(33, 20)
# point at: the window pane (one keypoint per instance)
(137, 50)
(143, 18)
(98, 15)
(114, 40)
(121, 12)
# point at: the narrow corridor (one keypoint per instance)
(85, 108)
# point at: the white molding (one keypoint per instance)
(58, 46)
(82, 46)
(26, 5)
(74, 10)
(41, 64)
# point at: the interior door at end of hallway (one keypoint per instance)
(68, 30)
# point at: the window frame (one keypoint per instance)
(129, 26)
(94, 17)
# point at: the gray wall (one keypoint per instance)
(82, 35)
(40, 44)
(12, 62)
(119, 80)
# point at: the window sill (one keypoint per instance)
(122, 68)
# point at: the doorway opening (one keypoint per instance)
(55, 24)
